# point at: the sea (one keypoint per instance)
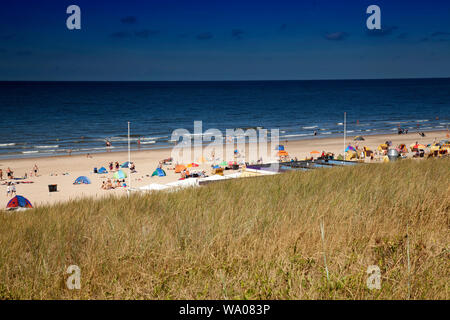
(59, 118)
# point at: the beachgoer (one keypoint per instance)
(8, 189)
(1, 174)
(108, 145)
(35, 169)
(117, 165)
(9, 173)
(13, 189)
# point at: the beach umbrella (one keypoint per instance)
(359, 138)
(119, 175)
(315, 152)
(223, 163)
(435, 148)
(102, 170)
(193, 164)
(179, 168)
(351, 155)
(82, 180)
(19, 202)
(350, 148)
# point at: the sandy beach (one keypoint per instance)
(63, 170)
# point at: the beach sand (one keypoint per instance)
(51, 169)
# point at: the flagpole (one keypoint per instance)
(345, 128)
(129, 161)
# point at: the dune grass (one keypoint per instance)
(254, 238)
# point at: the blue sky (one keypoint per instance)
(223, 40)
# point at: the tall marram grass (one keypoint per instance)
(254, 238)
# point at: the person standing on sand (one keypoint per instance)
(35, 169)
(9, 173)
(1, 174)
(8, 189)
(13, 189)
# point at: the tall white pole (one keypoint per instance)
(345, 130)
(129, 160)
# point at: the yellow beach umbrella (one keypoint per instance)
(435, 148)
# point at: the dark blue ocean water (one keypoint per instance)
(51, 118)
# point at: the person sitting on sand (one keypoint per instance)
(117, 165)
(9, 173)
(109, 185)
(103, 185)
(1, 174)
(111, 166)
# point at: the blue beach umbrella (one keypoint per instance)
(82, 180)
(120, 175)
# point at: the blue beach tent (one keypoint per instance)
(82, 180)
(102, 170)
(158, 172)
(19, 202)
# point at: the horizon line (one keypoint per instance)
(244, 80)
